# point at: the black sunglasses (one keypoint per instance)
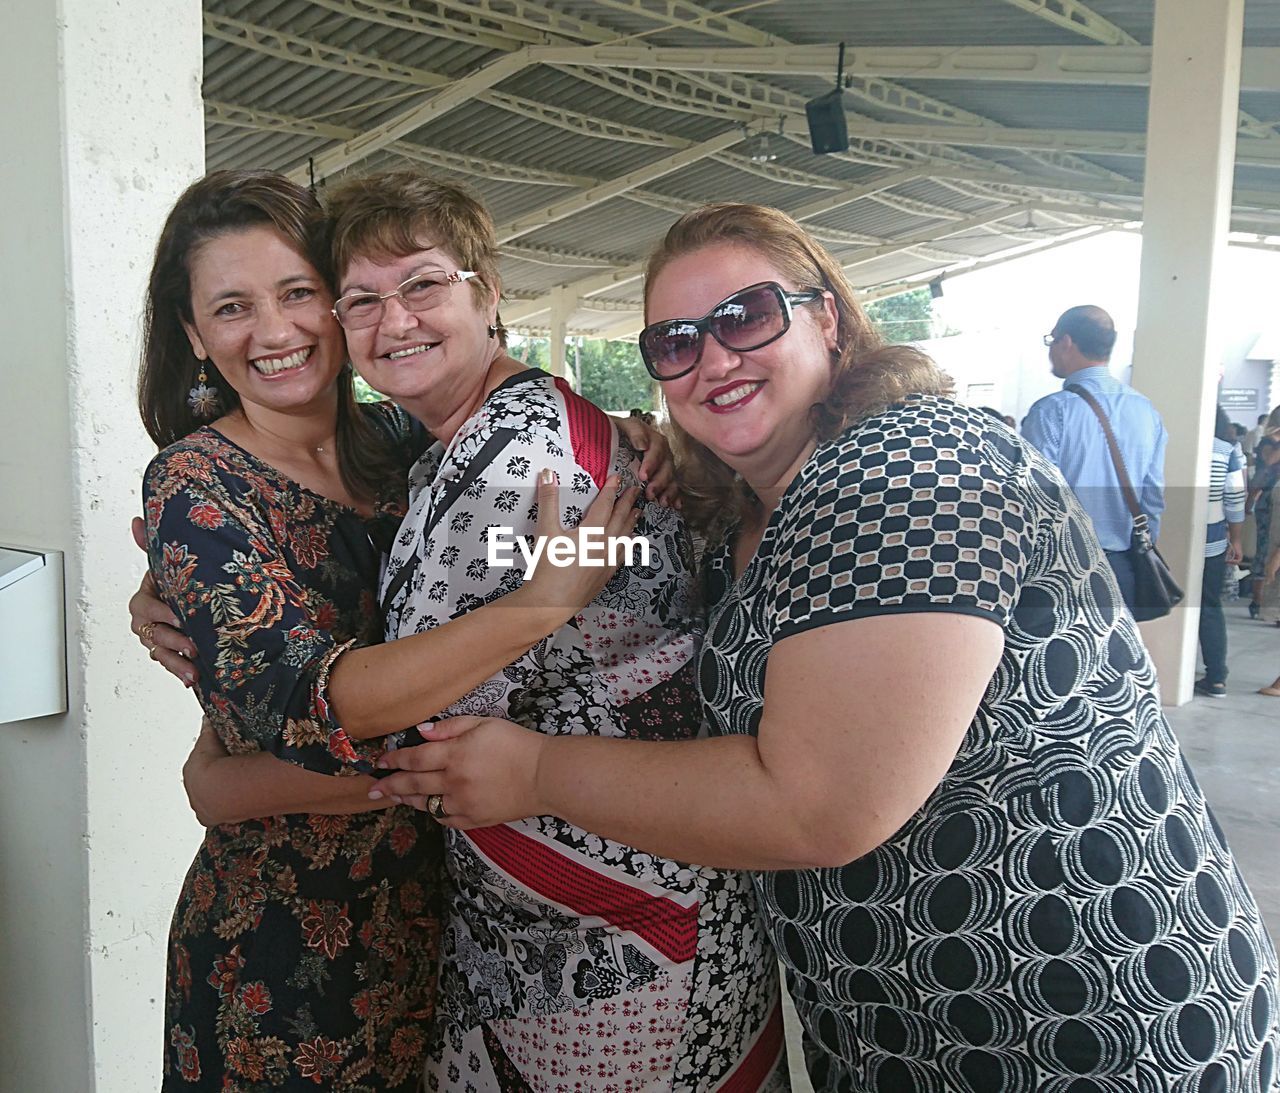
(749, 319)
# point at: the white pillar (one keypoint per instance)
(562, 304)
(1191, 137)
(102, 129)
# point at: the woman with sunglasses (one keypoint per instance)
(570, 961)
(937, 736)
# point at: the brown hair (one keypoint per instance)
(220, 203)
(867, 375)
(392, 214)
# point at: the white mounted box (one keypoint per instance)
(33, 635)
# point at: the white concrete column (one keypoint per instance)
(562, 303)
(1191, 137)
(102, 129)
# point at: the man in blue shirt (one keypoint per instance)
(1065, 429)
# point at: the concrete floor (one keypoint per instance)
(1233, 745)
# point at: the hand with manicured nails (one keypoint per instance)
(574, 586)
(657, 470)
(485, 768)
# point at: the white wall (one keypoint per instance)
(94, 832)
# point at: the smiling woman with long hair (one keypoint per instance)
(302, 951)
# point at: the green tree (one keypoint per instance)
(535, 352)
(907, 317)
(610, 374)
(365, 393)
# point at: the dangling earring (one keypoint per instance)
(493, 330)
(203, 398)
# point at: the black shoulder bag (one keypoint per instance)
(1156, 593)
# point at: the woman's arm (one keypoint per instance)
(156, 626)
(858, 729)
(176, 653)
(383, 688)
(227, 789)
(868, 691)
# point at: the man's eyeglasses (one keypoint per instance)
(1049, 339)
(749, 319)
(421, 292)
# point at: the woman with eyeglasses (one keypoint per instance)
(569, 961)
(937, 738)
(303, 950)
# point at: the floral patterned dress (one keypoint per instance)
(572, 962)
(303, 948)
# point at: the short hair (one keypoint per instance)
(1262, 418)
(1222, 427)
(1090, 328)
(392, 214)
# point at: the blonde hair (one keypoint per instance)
(393, 214)
(867, 375)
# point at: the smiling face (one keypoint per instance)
(261, 314)
(432, 361)
(751, 408)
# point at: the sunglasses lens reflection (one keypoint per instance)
(746, 320)
(742, 322)
(672, 347)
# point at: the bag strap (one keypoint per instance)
(1126, 487)
(486, 455)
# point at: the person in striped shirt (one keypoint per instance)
(1222, 550)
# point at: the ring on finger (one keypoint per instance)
(147, 633)
(435, 806)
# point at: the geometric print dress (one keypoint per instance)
(572, 962)
(1063, 914)
(302, 953)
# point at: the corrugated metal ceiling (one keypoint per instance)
(288, 81)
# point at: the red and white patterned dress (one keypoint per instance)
(572, 962)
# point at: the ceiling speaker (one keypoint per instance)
(827, 129)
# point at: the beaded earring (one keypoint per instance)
(203, 398)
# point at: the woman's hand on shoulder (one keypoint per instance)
(156, 627)
(657, 468)
(567, 589)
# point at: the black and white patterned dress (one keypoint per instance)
(572, 962)
(1062, 914)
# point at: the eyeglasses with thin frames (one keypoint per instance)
(421, 292)
(750, 319)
